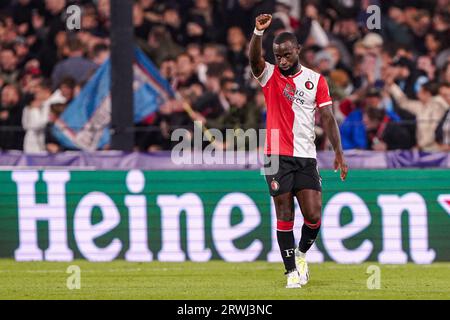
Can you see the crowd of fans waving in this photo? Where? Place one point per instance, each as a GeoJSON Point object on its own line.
{"type": "Point", "coordinates": [390, 85]}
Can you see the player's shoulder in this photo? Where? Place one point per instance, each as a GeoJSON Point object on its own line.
{"type": "Point", "coordinates": [266, 74]}
{"type": "Point", "coordinates": [311, 73]}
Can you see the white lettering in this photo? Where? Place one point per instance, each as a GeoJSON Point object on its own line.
{"type": "Point", "coordinates": [334, 234]}
{"type": "Point", "coordinates": [224, 233]}
{"type": "Point", "coordinates": [86, 233]}
{"type": "Point", "coordinates": [171, 208]}
{"type": "Point", "coordinates": [137, 215]}
{"type": "Point", "coordinates": [392, 207]}
{"type": "Point", "coordinates": [30, 213]}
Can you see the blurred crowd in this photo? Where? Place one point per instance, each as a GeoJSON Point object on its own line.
{"type": "Point", "coordinates": [390, 86]}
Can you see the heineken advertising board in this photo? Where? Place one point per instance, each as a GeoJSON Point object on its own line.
{"type": "Point", "coordinates": [390, 216]}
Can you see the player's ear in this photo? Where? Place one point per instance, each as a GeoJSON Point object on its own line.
{"type": "Point", "coordinates": [297, 49]}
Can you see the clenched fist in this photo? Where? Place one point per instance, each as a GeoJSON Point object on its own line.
{"type": "Point", "coordinates": [263, 21]}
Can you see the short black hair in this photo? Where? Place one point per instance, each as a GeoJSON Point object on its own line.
{"type": "Point", "coordinates": [373, 92]}
{"type": "Point", "coordinates": [431, 87]}
{"type": "Point", "coordinates": [284, 37]}
{"type": "Point", "coordinates": [68, 82]}
{"type": "Point", "coordinates": [215, 69]}
{"type": "Point", "coordinates": [99, 48]}
{"type": "Point", "coordinates": [375, 114]}
{"type": "Point", "coordinates": [75, 44]}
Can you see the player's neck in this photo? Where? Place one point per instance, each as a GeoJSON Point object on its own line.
{"type": "Point", "coordinates": [292, 71]}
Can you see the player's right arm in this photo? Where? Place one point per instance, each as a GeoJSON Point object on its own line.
{"type": "Point", "coordinates": [257, 61]}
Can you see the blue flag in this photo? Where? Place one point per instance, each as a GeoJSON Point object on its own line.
{"type": "Point", "coordinates": [84, 124]}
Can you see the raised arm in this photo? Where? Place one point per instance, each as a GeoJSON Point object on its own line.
{"type": "Point", "coordinates": [332, 130]}
{"type": "Point", "coordinates": [257, 61]}
{"type": "Point", "coordinates": [413, 106]}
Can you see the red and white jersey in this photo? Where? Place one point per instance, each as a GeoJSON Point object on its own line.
{"type": "Point", "coordinates": [291, 103]}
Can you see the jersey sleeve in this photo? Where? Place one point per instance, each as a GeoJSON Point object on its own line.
{"type": "Point", "coordinates": [265, 75]}
{"type": "Point", "coordinates": [323, 98]}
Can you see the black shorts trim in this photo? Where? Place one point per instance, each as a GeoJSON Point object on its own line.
{"type": "Point", "coordinates": [293, 174]}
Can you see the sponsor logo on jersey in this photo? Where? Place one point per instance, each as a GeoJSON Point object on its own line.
{"type": "Point", "coordinates": [294, 95]}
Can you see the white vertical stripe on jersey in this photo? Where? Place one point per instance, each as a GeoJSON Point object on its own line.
{"type": "Point", "coordinates": [303, 129]}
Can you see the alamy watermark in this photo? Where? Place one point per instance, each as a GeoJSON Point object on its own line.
{"type": "Point", "coordinates": [73, 20]}
{"type": "Point", "coordinates": [74, 280]}
{"type": "Point", "coordinates": [374, 280]}
{"type": "Point", "coordinates": [213, 147]}
{"type": "Point", "coordinates": [374, 20]}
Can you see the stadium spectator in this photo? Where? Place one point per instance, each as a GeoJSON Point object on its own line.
{"type": "Point", "coordinates": [382, 133]}
{"type": "Point", "coordinates": [211, 53]}
{"type": "Point", "coordinates": [67, 87]}
{"type": "Point", "coordinates": [168, 69]}
{"type": "Point", "coordinates": [238, 111]}
{"type": "Point", "coordinates": [242, 13]}
{"type": "Point", "coordinates": [346, 31]}
{"type": "Point", "coordinates": [341, 61]}
{"type": "Point", "coordinates": [427, 68]}
{"type": "Point", "coordinates": [428, 109]}
{"type": "Point", "coordinates": [197, 44]}
{"type": "Point", "coordinates": [214, 53]}
{"type": "Point", "coordinates": [213, 102]}
{"type": "Point", "coordinates": [142, 26]}
{"type": "Point", "coordinates": [204, 22]}
{"type": "Point", "coordinates": [395, 28]}
{"type": "Point", "coordinates": [8, 66]}
{"type": "Point", "coordinates": [408, 77]}
{"type": "Point", "coordinates": [53, 16]}
{"type": "Point", "coordinates": [104, 12]}
{"type": "Point", "coordinates": [100, 54]}
{"type": "Point", "coordinates": [323, 62]}
{"type": "Point", "coordinates": [445, 74]}
{"type": "Point", "coordinates": [237, 54]}
{"type": "Point", "coordinates": [195, 51]}
{"type": "Point", "coordinates": [52, 144]}
{"type": "Point", "coordinates": [185, 72]}
{"type": "Point", "coordinates": [353, 129]}
{"type": "Point", "coordinates": [443, 133]}
{"type": "Point", "coordinates": [172, 20]}
{"type": "Point", "coordinates": [21, 13]}
{"type": "Point", "coordinates": [159, 45]}
{"type": "Point", "coordinates": [75, 66]}
{"type": "Point", "coordinates": [11, 108]}
{"type": "Point", "coordinates": [34, 120]}
{"type": "Point", "coordinates": [444, 92]}
{"type": "Point", "coordinates": [443, 128]}
{"type": "Point", "coordinates": [30, 80]}
{"type": "Point", "coordinates": [242, 114]}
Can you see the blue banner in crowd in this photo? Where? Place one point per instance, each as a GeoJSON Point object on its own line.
{"type": "Point", "coordinates": [85, 122]}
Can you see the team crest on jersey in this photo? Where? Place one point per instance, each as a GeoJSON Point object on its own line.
{"type": "Point", "coordinates": [274, 185]}
{"type": "Point", "coordinates": [309, 85]}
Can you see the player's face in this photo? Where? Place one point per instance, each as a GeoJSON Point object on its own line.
{"type": "Point", "coordinates": [286, 57]}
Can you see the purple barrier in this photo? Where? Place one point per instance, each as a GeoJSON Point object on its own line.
{"type": "Point", "coordinates": [117, 160]}
{"type": "Point", "coordinates": [417, 159]}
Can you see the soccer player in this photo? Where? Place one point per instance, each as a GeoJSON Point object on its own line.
{"type": "Point", "coordinates": [293, 93]}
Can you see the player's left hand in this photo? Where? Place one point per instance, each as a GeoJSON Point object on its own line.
{"type": "Point", "coordinates": [339, 164]}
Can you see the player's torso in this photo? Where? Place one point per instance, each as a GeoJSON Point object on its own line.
{"type": "Point", "coordinates": [291, 105]}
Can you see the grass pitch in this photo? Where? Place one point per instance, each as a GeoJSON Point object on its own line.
{"type": "Point", "coordinates": [218, 280]}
